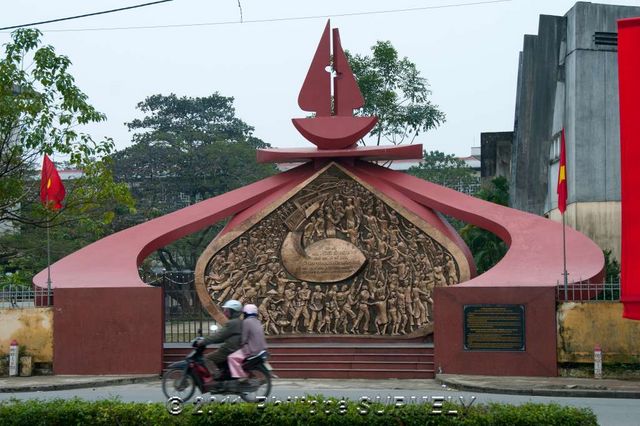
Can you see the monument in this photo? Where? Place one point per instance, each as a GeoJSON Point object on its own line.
{"type": "Point", "coordinates": [335, 249]}
{"type": "Point", "coordinates": [335, 255]}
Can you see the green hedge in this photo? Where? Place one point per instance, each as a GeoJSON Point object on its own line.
{"type": "Point", "coordinates": [114, 412]}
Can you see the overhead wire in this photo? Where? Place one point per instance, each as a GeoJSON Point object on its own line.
{"type": "Point", "coordinates": [291, 18]}
{"type": "Point", "coordinates": [104, 12]}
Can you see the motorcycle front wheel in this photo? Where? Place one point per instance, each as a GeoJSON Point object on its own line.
{"type": "Point", "coordinates": [259, 382]}
{"type": "Point", "coordinates": [178, 382]}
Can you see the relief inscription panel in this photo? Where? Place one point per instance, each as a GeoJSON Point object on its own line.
{"type": "Point", "coordinates": [334, 256]}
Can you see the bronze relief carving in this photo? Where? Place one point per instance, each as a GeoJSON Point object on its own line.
{"type": "Point", "coordinates": [333, 257]}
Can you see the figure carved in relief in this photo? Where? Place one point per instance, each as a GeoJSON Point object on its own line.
{"type": "Point", "coordinates": [369, 242]}
{"type": "Point", "coordinates": [267, 313]}
{"type": "Point", "coordinates": [345, 300]}
{"type": "Point", "coordinates": [301, 305]}
{"type": "Point", "coordinates": [331, 306]}
{"type": "Point", "coordinates": [372, 224]}
{"type": "Point", "coordinates": [402, 310]}
{"type": "Point", "coordinates": [438, 276]}
{"type": "Point", "coordinates": [350, 214]}
{"type": "Point", "coordinates": [316, 306]}
{"type": "Point", "coordinates": [309, 230]}
{"type": "Point", "coordinates": [381, 321]}
{"type": "Point", "coordinates": [408, 302]}
{"type": "Point", "coordinates": [363, 311]}
{"type": "Point", "coordinates": [424, 296]}
{"type": "Point", "coordinates": [451, 270]}
{"type": "Point", "coordinates": [288, 307]}
{"type": "Point", "coordinates": [263, 278]}
{"type": "Point", "coordinates": [318, 233]}
{"type": "Point", "coordinates": [281, 282]}
{"type": "Point", "coordinates": [392, 309]}
{"type": "Point", "coordinates": [331, 222]}
{"type": "Point", "coordinates": [419, 308]}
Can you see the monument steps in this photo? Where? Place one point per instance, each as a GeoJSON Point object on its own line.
{"type": "Point", "coordinates": [340, 360]}
{"type": "Point", "coordinates": [354, 374]}
{"type": "Point", "coordinates": [346, 357]}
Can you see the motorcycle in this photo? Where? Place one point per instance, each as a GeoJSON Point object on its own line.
{"type": "Point", "coordinates": [183, 377]}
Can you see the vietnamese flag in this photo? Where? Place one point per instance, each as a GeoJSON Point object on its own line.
{"type": "Point", "coordinates": [51, 187]}
{"type": "Point", "coordinates": [562, 176]}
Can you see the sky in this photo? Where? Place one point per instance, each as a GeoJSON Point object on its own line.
{"type": "Point", "coordinates": [466, 49]}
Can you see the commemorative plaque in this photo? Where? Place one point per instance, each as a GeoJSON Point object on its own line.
{"type": "Point", "coordinates": [494, 328]}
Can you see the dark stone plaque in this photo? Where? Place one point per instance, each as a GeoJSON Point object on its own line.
{"type": "Point", "coordinates": [494, 328]}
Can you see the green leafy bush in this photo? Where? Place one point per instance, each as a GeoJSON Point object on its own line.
{"type": "Point", "coordinates": [324, 411]}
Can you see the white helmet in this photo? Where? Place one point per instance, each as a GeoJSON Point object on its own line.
{"type": "Point", "coordinates": [232, 304]}
{"type": "Point", "coordinates": [250, 309]}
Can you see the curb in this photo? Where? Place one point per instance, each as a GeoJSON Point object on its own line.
{"type": "Point", "coordinates": [83, 385]}
{"type": "Point", "coordinates": [580, 393]}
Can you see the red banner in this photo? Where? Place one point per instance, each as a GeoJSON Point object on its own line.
{"type": "Point", "coordinates": [629, 92]}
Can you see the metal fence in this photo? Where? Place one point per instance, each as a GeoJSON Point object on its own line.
{"type": "Point", "coordinates": [184, 316]}
{"type": "Point", "coordinates": [20, 297]}
{"type": "Point", "coordinates": [588, 292]}
{"type": "Point", "coordinates": [469, 186]}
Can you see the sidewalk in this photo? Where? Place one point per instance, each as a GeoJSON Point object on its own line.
{"type": "Point", "coordinates": [544, 386]}
{"type": "Point", "coordinates": [539, 386]}
{"type": "Point", "coordinates": [50, 383]}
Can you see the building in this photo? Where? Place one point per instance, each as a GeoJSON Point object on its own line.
{"type": "Point", "coordinates": [568, 78]}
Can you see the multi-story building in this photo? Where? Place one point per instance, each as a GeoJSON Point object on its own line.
{"type": "Point", "coordinates": [568, 79]}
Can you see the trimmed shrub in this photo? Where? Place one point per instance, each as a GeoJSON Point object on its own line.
{"type": "Point", "coordinates": [324, 411]}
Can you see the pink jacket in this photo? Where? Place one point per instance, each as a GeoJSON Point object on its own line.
{"type": "Point", "coordinates": [253, 340]}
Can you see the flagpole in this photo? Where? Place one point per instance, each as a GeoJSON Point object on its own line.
{"type": "Point", "coordinates": [51, 194]}
{"type": "Point", "coordinates": [564, 258]}
{"type": "Point", "coordinates": [48, 262]}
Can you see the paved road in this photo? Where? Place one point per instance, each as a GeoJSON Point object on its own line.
{"type": "Point", "coordinates": [618, 412]}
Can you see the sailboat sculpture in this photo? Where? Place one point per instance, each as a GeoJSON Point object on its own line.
{"type": "Point", "coordinates": [334, 126]}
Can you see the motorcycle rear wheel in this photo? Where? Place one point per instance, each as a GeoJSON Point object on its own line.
{"type": "Point", "coordinates": [262, 378]}
{"type": "Point", "coordinates": [177, 382]}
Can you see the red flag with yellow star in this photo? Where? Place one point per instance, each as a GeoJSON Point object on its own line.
{"type": "Point", "coordinates": [562, 176]}
{"type": "Point", "coordinates": [51, 188]}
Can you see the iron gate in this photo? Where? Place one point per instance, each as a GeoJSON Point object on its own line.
{"type": "Point", "coordinates": [184, 315]}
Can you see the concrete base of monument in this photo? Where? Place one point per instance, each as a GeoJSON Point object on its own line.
{"type": "Point", "coordinates": [501, 331]}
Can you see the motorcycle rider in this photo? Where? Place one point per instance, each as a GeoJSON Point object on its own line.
{"type": "Point", "coordinates": [229, 335]}
{"type": "Point", "coordinates": [253, 341]}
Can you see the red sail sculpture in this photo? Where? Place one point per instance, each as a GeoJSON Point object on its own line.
{"type": "Point", "coordinates": [331, 128]}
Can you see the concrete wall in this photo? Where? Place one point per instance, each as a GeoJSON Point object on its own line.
{"type": "Point", "coordinates": [115, 330]}
{"type": "Point", "coordinates": [567, 80]}
{"type": "Point", "coordinates": [601, 221]}
{"type": "Point", "coordinates": [31, 327]}
{"type": "Point", "coordinates": [495, 158]}
{"type": "Point", "coordinates": [539, 358]}
{"type": "Point", "coordinates": [583, 325]}
{"type": "Point", "coordinates": [536, 94]}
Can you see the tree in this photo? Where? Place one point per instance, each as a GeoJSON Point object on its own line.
{"type": "Point", "coordinates": [486, 247]}
{"type": "Point", "coordinates": [40, 111]}
{"type": "Point", "coordinates": [611, 267]}
{"type": "Point", "coordinates": [186, 150]}
{"type": "Point", "coordinates": [446, 170]}
{"type": "Point", "coordinates": [395, 92]}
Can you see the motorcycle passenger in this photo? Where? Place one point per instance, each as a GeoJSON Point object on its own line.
{"type": "Point", "coordinates": [229, 335]}
{"type": "Point", "coordinates": [253, 341]}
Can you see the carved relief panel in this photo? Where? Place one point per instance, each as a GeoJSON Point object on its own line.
{"type": "Point", "coordinates": [335, 256]}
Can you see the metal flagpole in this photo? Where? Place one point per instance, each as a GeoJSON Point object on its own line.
{"type": "Point", "coordinates": [48, 262]}
{"type": "Point", "coordinates": [564, 258]}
